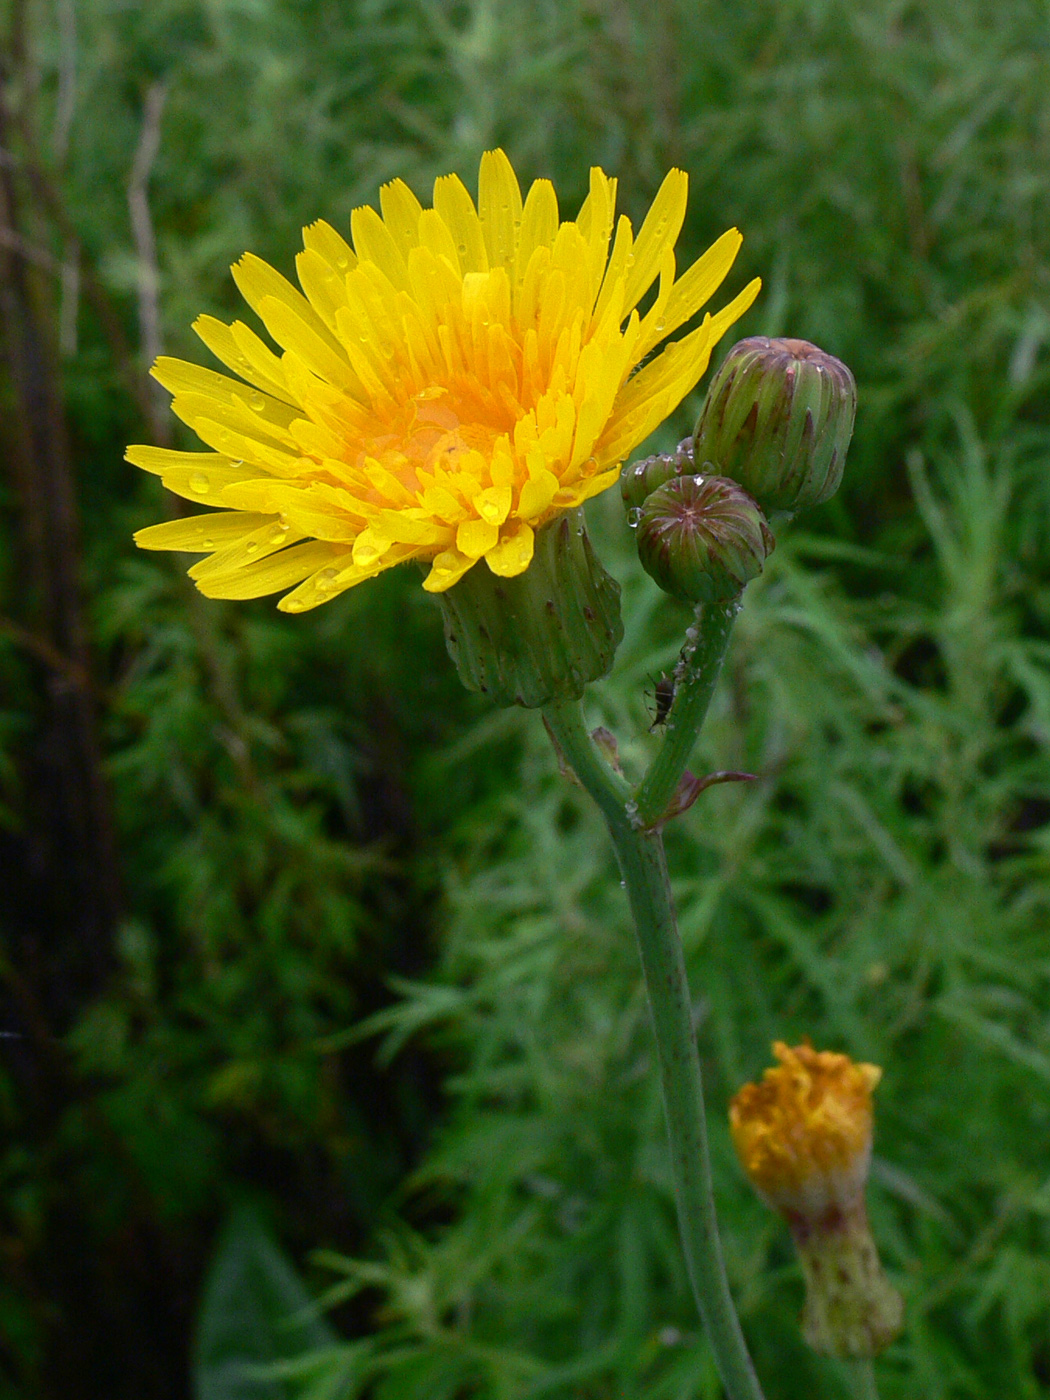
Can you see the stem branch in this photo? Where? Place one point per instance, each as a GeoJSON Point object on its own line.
{"type": "Point", "coordinates": [695, 678]}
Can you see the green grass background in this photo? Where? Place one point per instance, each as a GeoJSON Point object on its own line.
{"type": "Point", "coordinates": [318, 827]}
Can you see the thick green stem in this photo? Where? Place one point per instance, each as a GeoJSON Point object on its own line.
{"type": "Point", "coordinates": [695, 678]}
{"type": "Point", "coordinates": [641, 856]}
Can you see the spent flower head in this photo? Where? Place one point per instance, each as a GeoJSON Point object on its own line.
{"type": "Point", "coordinates": [455, 380]}
{"type": "Point", "coordinates": [803, 1135]}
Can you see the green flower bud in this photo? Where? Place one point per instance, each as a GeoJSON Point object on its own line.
{"type": "Point", "coordinates": [702, 538]}
{"type": "Point", "coordinates": [642, 478]}
{"type": "Point", "coordinates": [542, 635]}
{"type": "Point", "coordinates": [778, 418]}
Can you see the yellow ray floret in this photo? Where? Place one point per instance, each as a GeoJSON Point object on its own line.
{"type": "Point", "coordinates": [803, 1134]}
{"type": "Point", "coordinates": [442, 389]}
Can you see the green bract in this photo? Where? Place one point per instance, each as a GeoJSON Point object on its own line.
{"type": "Point", "coordinates": [543, 635]}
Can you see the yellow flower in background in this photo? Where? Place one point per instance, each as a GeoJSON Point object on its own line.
{"type": "Point", "coordinates": [448, 385]}
{"type": "Point", "coordinates": [803, 1134]}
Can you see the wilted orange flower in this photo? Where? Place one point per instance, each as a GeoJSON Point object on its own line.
{"type": "Point", "coordinates": [803, 1134]}
{"type": "Point", "coordinates": [448, 385]}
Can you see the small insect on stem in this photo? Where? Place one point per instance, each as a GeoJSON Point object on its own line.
{"type": "Point", "coordinates": [663, 694]}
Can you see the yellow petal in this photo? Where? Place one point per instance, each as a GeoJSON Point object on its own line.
{"type": "Point", "coordinates": [182, 377]}
{"type": "Point", "coordinates": [200, 534]}
{"type": "Point", "coordinates": [257, 280]}
{"type": "Point", "coordinates": [374, 242]}
{"type": "Point", "coordinates": [662, 225]}
{"type": "Point", "coordinates": [325, 288]}
{"type": "Point", "coordinates": [401, 211]}
{"type": "Point", "coordinates": [270, 575]}
{"type": "Point", "coordinates": [701, 281]}
{"type": "Point", "coordinates": [222, 342]}
{"type": "Point", "coordinates": [329, 582]}
{"type": "Point", "coordinates": [499, 208]}
{"type": "Point", "coordinates": [159, 460]}
{"type": "Point", "coordinates": [456, 211]}
{"type": "Point", "coordinates": [594, 222]}
{"type": "Point", "coordinates": [319, 351]}
{"type": "Point", "coordinates": [206, 487]}
{"type": "Point", "coordinates": [722, 320]}
{"type": "Point", "coordinates": [513, 554]}
{"type": "Point", "coordinates": [476, 537]}
{"type": "Point", "coordinates": [617, 269]}
{"type": "Point", "coordinates": [536, 495]}
{"type": "Point", "coordinates": [256, 545]}
{"type": "Point", "coordinates": [321, 238]}
{"type": "Point", "coordinates": [448, 568]}
{"type": "Point", "coordinates": [493, 504]}
{"type": "Point", "coordinates": [539, 223]}
{"type": "Point", "coordinates": [261, 358]}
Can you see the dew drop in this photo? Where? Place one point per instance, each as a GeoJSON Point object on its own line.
{"type": "Point", "coordinates": [294, 605]}
{"type": "Point", "coordinates": [207, 544]}
{"type": "Point", "coordinates": [278, 531]}
{"type": "Point", "coordinates": [633, 517]}
{"type": "Point", "coordinates": [251, 547]}
{"type": "Point", "coordinates": [238, 462]}
{"type": "Point", "coordinates": [199, 483]}
{"type": "Point", "coordinates": [325, 580]}
{"type": "Point", "coordinates": [462, 248]}
{"type": "Point", "coordinates": [342, 262]}
{"type": "Point", "coordinates": [257, 402]}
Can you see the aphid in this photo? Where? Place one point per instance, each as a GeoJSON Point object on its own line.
{"type": "Point", "coordinates": [663, 694]}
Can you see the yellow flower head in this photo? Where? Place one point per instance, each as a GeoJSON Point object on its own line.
{"type": "Point", "coordinates": [449, 384]}
{"type": "Point", "coordinates": [803, 1134]}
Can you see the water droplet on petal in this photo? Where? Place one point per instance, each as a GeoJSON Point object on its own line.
{"type": "Point", "coordinates": [199, 483]}
{"type": "Point", "coordinates": [207, 544]}
{"type": "Point", "coordinates": [251, 547]}
{"type": "Point", "coordinates": [294, 605]}
{"type": "Point", "coordinates": [257, 402]}
{"type": "Point", "coordinates": [325, 580]}
{"type": "Point", "coordinates": [633, 517]}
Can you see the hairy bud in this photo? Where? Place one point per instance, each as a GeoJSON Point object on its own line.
{"type": "Point", "coordinates": [778, 418]}
{"type": "Point", "coordinates": [702, 538]}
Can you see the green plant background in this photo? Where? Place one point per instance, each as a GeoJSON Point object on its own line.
{"type": "Point", "coordinates": [373, 987]}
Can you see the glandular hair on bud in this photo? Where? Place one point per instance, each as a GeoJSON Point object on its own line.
{"type": "Point", "coordinates": [702, 538]}
{"type": "Point", "coordinates": [642, 478]}
{"type": "Point", "coordinates": [778, 419]}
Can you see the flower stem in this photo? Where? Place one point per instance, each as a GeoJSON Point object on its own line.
{"type": "Point", "coordinates": [695, 677]}
{"type": "Point", "coordinates": [644, 868]}
{"type": "Point", "coordinates": [863, 1378]}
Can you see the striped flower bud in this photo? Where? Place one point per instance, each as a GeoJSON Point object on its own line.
{"type": "Point", "coordinates": [778, 418]}
{"type": "Point", "coordinates": [642, 478]}
{"type": "Point", "coordinates": [803, 1135]}
{"type": "Point", "coordinates": [702, 538]}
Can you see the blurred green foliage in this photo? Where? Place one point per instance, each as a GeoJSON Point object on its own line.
{"type": "Point", "coordinates": [316, 827]}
